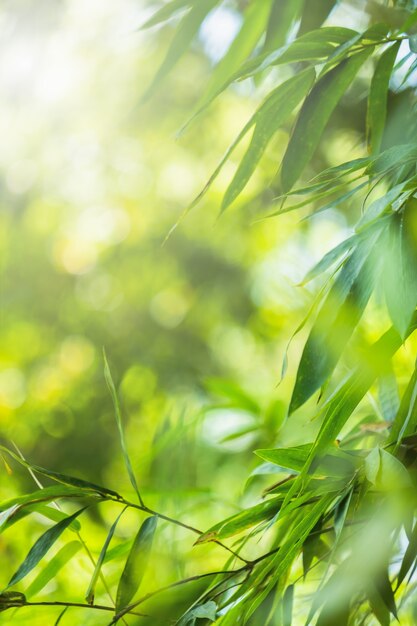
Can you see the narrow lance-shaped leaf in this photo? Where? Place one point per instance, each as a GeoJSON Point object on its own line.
{"type": "Point", "coordinates": [184, 34]}
{"type": "Point", "coordinates": [166, 12]}
{"type": "Point", "coordinates": [136, 563]}
{"type": "Point", "coordinates": [282, 16]}
{"type": "Point", "coordinates": [41, 547]}
{"type": "Point", "coordinates": [89, 596]}
{"type": "Point", "coordinates": [405, 421]}
{"type": "Point", "coordinates": [118, 415]}
{"type": "Point", "coordinates": [64, 478]}
{"type": "Point", "coordinates": [315, 114]}
{"type": "Point", "coordinates": [378, 93]}
{"type": "Point", "coordinates": [400, 269]}
{"type": "Point", "coordinates": [335, 322]}
{"type": "Point", "coordinates": [255, 19]}
{"type": "Point", "coordinates": [281, 104]}
{"type": "Point", "coordinates": [292, 89]}
{"type": "Point", "coordinates": [287, 605]}
{"type": "Point", "coordinates": [54, 566]}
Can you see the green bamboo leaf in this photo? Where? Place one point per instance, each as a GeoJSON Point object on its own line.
{"type": "Point", "coordinates": [118, 415]}
{"type": "Point", "coordinates": [41, 547]}
{"type": "Point", "coordinates": [384, 589]}
{"type": "Point", "coordinates": [63, 478]}
{"type": "Point", "coordinates": [54, 566]}
{"type": "Point", "coordinates": [44, 495]}
{"type": "Point", "coordinates": [89, 596]}
{"type": "Point", "coordinates": [313, 19]}
{"type": "Point", "coordinates": [166, 12]}
{"type": "Point", "coordinates": [287, 605]}
{"type": "Point", "coordinates": [336, 321]}
{"type": "Point", "coordinates": [329, 259]}
{"type": "Point", "coordinates": [405, 421]}
{"type": "Point", "coordinates": [136, 564]}
{"type": "Point", "coordinates": [386, 472]}
{"type": "Point", "coordinates": [378, 94]}
{"type": "Point", "coordinates": [7, 513]}
{"type": "Point", "coordinates": [392, 158]}
{"type": "Point", "coordinates": [315, 114]}
{"type": "Point", "coordinates": [343, 402]}
{"type": "Point", "coordinates": [409, 558]}
{"type": "Point", "coordinates": [281, 104]}
{"type": "Point", "coordinates": [242, 521]}
{"type": "Point", "coordinates": [335, 463]}
{"type": "Point", "coordinates": [293, 85]}
{"type": "Point", "coordinates": [281, 18]}
{"type": "Point", "coordinates": [256, 16]}
{"type": "Point", "coordinates": [400, 272]}
{"type": "Point", "coordinates": [331, 614]}
{"type": "Point", "coordinates": [388, 395]}
{"type": "Point", "coordinates": [184, 34]}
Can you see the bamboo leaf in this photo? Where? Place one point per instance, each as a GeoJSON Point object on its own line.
{"type": "Point", "coordinates": [54, 566]}
{"type": "Point", "coordinates": [64, 478]}
{"type": "Point", "coordinates": [118, 415]}
{"type": "Point", "coordinates": [89, 596]}
{"type": "Point", "coordinates": [329, 259]}
{"type": "Point", "coordinates": [184, 34]}
{"type": "Point", "coordinates": [242, 521]}
{"type": "Point", "coordinates": [405, 421]}
{"type": "Point", "coordinates": [336, 321]}
{"type": "Point", "coordinates": [136, 563]}
{"type": "Point", "coordinates": [287, 606]}
{"type": "Point", "coordinates": [281, 104]}
{"type": "Point", "coordinates": [400, 273]}
{"type": "Point", "coordinates": [255, 20]}
{"type": "Point", "coordinates": [166, 12]}
{"type": "Point", "coordinates": [378, 93]}
{"type": "Point", "coordinates": [314, 116]}
{"type": "Point", "coordinates": [294, 85]}
{"type": "Point", "coordinates": [41, 547]}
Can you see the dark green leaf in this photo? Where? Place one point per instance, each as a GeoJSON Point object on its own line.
{"type": "Point", "coordinates": [41, 547]}
{"type": "Point", "coordinates": [314, 116]}
{"type": "Point", "coordinates": [136, 563]}
{"type": "Point", "coordinates": [378, 93]}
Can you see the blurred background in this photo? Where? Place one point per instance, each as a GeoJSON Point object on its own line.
{"type": "Point", "coordinates": [195, 327]}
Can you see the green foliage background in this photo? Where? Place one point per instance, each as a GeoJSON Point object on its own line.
{"type": "Point", "coordinates": [196, 326]}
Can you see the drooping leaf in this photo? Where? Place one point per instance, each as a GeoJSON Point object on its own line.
{"type": "Point", "coordinates": [378, 93]}
{"type": "Point", "coordinates": [314, 116]}
{"type": "Point", "coordinates": [89, 596]}
{"type": "Point", "coordinates": [343, 402]}
{"type": "Point", "coordinates": [405, 421]}
{"type": "Point", "coordinates": [166, 12]}
{"type": "Point", "coordinates": [282, 103]}
{"type": "Point", "coordinates": [41, 547]}
{"type": "Point", "coordinates": [386, 472]}
{"type": "Point", "coordinates": [329, 259]}
{"type": "Point", "coordinates": [54, 566]}
{"type": "Point", "coordinates": [336, 321]}
{"type": "Point", "coordinates": [409, 558]}
{"type": "Point", "coordinates": [293, 88]}
{"type": "Point", "coordinates": [281, 18]}
{"type": "Point", "coordinates": [256, 16]}
{"type": "Point", "coordinates": [184, 34]}
{"type": "Point", "coordinates": [136, 563]}
{"type": "Point", "coordinates": [313, 19]}
{"type": "Point", "coordinates": [400, 271]}
{"type": "Point", "coordinates": [388, 395]}
{"type": "Point", "coordinates": [287, 605]}
{"type": "Point", "coordinates": [118, 415]}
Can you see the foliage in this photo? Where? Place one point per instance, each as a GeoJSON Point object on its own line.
{"type": "Point", "coordinates": [333, 539]}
